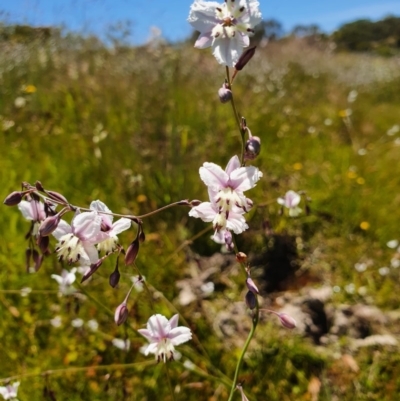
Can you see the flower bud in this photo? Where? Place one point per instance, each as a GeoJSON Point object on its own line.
{"type": "Point", "coordinates": [43, 244]}
{"type": "Point", "coordinates": [114, 277]}
{"type": "Point", "coordinates": [253, 147]}
{"type": "Point", "coordinates": [287, 321]}
{"type": "Point", "coordinates": [241, 257]}
{"type": "Point", "coordinates": [225, 94]}
{"type": "Point", "coordinates": [251, 286]}
{"type": "Point", "coordinates": [13, 199]}
{"type": "Point", "coordinates": [121, 314]}
{"type": "Point", "coordinates": [57, 197]}
{"type": "Point", "coordinates": [142, 236]}
{"type": "Point", "coordinates": [251, 300]}
{"type": "Point", "coordinates": [195, 202]}
{"type": "Point", "coordinates": [246, 56]}
{"type": "Point", "coordinates": [93, 268]}
{"type": "Point", "coordinates": [48, 225]}
{"type": "Point", "coordinates": [37, 259]}
{"type": "Point", "coordinates": [132, 252]}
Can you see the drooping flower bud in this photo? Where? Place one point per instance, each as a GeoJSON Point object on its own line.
{"type": "Point", "coordinates": [142, 236]}
{"type": "Point", "coordinates": [229, 241]}
{"type": "Point", "coordinates": [57, 197]}
{"type": "Point", "coordinates": [121, 314]}
{"type": "Point", "coordinates": [195, 202]}
{"type": "Point", "coordinates": [115, 276]}
{"type": "Point", "coordinates": [246, 56]}
{"type": "Point", "coordinates": [13, 199]}
{"type": "Point", "coordinates": [251, 286]}
{"type": "Point", "coordinates": [253, 147]}
{"type": "Point", "coordinates": [49, 224]}
{"type": "Point", "coordinates": [93, 268]}
{"type": "Point", "coordinates": [37, 259]}
{"type": "Point", "coordinates": [132, 251]}
{"type": "Point", "coordinates": [287, 321]}
{"type": "Point", "coordinates": [43, 243]}
{"type": "Point", "coordinates": [251, 300]}
{"type": "Point", "coordinates": [224, 94]}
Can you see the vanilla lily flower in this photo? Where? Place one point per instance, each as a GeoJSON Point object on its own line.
{"type": "Point", "coordinates": [33, 210]}
{"type": "Point", "coordinates": [107, 226]}
{"type": "Point", "coordinates": [9, 392]}
{"type": "Point", "coordinates": [291, 201]}
{"type": "Point", "coordinates": [65, 281]}
{"type": "Point", "coordinates": [225, 27]}
{"type": "Point", "coordinates": [163, 335]}
{"type": "Point", "coordinates": [227, 202]}
{"type": "Point", "coordinates": [77, 241]}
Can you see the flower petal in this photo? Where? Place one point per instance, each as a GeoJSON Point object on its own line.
{"type": "Point", "coordinates": [213, 176]}
{"type": "Point", "coordinates": [244, 178]}
{"type": "Point", "coordinates": [204, 40]}
{"type": "Point", "coordinates": [62, 229]}
{"type": "Point", "coordinates": [180, 335]}
{"type": "Point", "coordinates": [119, 226]}
{"type": "Point", "coordinates": [202, 15]}
{"type": "Point", "coordinates": [233, 164]}
{"type": "Point", "coordinates": [86, 225]}
{"type": "Point", "coordinates": [204, 211]}
{"type": "Point", "coordinates": [227, 50]}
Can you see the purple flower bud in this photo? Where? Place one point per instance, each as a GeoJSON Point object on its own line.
{"type": "Point", "coordinates": [253, 147]}
{"type": "Point", "coordinates": [121, 314]}
{"type": "Point", "coordinates": [142, 236]}
{"type": "Point", "coordinates": [251, 300]}
{"type": "Point", "coordinates": [37, 259]}
{"type": "Point", "coordinates": [225, 94]}
{"type": "Point", "coordinates": [114, 277]}
{"type": "Point", "coordinates": [43, 244]}
{"type": "Point", "coordinates": [246, 56]}
{"type": "Point", "coordinates": [251, 286]}
{"type": "Point", "coordinates": [195, 202]}
{"type": "Point", "coordinates": [39, 186]}
{"type": "Point", "coordinates": [287, 321]}
{"type": "Point", "coordinates": [229, 241]}
{"type": "Point", "coordinates": [57, 197]}
{"type": "Point", "coordinates": [13, 199]}
{"type": "Point", "coordinates": [49, 224]}
{"type": "Point", "coordinates": [93, 268]}
{"type": "Point", "coordinates": [132, 252]}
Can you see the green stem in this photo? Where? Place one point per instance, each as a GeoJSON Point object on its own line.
{"type": "Point", "coordinates": [242, 132]}
{"type": "Point", "coordinates": [169, 381]}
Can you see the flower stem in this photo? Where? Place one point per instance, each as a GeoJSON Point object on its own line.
{"type": "Point", "coordinates": [242, 132]}
{"type": "Point", "coordinates": [169, 381]}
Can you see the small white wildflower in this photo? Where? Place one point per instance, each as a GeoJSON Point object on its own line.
{"type": "Point", "coordinates": [77, 323]}
{"type": "Point", "coordinates": [384, 271]}
{"type": "Point", "coordinates": [121, 344]}
{"type": "Point", "coordinates": [394, 243]}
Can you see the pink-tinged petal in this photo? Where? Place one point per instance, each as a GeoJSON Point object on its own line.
{"type": "Point", "coordinates": [173, 322]}
{"type": "Point", "coordinates": [86, 225]}
{"type": "Point", "coordinates": [202, 15]}
{"type": "Point", "coordinates": [92, 255]}
{"type": "Point", "coordinates": [292, 198]}
{"type": "Point", "coordinates": [120, 225]}
{"type": "Point", "coordinates": [157, 325]}
{"type": "Point", "coordinates": [179, 335]}
{"type": "Point", "coordinates": [236, 223]}
{"type": "Point", "coordinates": [203, 41]}
{"type": "Point", "coordinates": [32, 210]}
{"type": "Point", "coordinates": [227, 51]}
{"type": "Point", "coordinates": [213, 176]}
{"type": "Point", "coordinates": [219, 237]}
{"type": "Point", "coordinates": [204, 211]}
{"type": "Point", "coordinates": [233, 164]}
{"type": "Point", "coordinates": [244, 178]}
{"type": "Point", "coordinates": [99, 206]}
{"type": "Point", "coordinates": [62, 229]}
{"type": "Point", "coordinates": [152, 348]}
{"type": "Point", "coordinates": [146, 333]}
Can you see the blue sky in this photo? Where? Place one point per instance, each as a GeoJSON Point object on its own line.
{"type": "Point", "coordinates": [96, 16]}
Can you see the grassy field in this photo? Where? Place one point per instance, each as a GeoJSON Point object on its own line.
{"type": "Point", "coordinates": [132, 126]}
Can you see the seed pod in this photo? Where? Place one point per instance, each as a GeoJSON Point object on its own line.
{"type": "Point", "coordinates": [241, 257]}
{"type": "Point", "coordinates": [251, 300]}
{"type": "Point", "coordinates": [93, 268]}
{"type": "Point", "coordinates": [253, 148]}
{"type": "Point", "coordinates": [224, 94]}
{"type": "Point", "coordinates": [132, 252]}
{"type": "Point", "coordinates": [115, 276]}
{"type": "Point", "coordinates": [246, 56]}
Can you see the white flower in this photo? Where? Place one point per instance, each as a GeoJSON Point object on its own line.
{"type": "Point", "coordinates": [9, 392]}
{"type": "Point", "coordinates": [124, 345]}
{"type": "Point", "coordinates": [107, 226]}
{"type": "Point", "coordinates": [164, 335]}
{"type": "Point", "coordinates": [227, 202]}
{"type": "Point", "coordinates": [291, 201]}
{"type": "Point", "coordinates": [65, 281]}
{"type": "Point", "coordinates": [76, 241]}
{"type": "Point", "coordinates": [225, 27]}
{"type": "Point", "coordinates": [33, 210]}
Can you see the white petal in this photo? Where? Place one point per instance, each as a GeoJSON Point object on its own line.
{"type": "Point", "coordinates": [146, 333]}
{"type": "Point", "coordinates": [227, 51]}
{"type": "Point", "coordinates": [158, 325]}
{"type": "Point", "coordinates": [174, 321]}
{"type": "Point", "coordinates": [86, 225]}
{"type": "Point", "coordinates": [180, 335]}
{"type": "Point", "coordinates": [292, 198]}
{"type": "Point", "coordinates": [120, 225]}
{"type": "Point", "coordinates": [202, 15]}
{"type": "Point", "coordinates": [233, 164]}
{"type": "Point", "coordinates": [213, 176]}
{"type": "Point", "coordinates": [25, 208]}
{"type": "Point", "coordinates": [58, 278]}
{"type": "Point", "coordinates": [204, 211]}
{"type": "Point", "coordinates": [236, 223]}
{"type": "Point", "coordinates": [91, 256]}
{"type": "Point", "coordinates": [244, 178]}
{"type": "Point", "coordinates": [99, 206]}
{"type": "Point", "coordinates": [204, 40]}
{"type": "Point", "coordinates": [62, 229]}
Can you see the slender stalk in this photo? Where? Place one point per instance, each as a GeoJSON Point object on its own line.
{"type": "Point", "coordinates": [169, 381]}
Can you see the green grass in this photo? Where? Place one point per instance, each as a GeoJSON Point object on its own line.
{"type": "Point", "coordinates": [158, 118]}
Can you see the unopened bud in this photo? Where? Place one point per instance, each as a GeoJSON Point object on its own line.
{"type": "Point", "coordinates": [57, 197]}
{"type": "Point", "coordinates": [48, 225]}
{"type": "Point", "coordinates": [241, 257]}
{"type": "Point", "coordinates": [253, 147]}
{"type": "Point", "coordinates": [121, 314]}
{"type": "Point", "coordinates": [37, 259]}
{"type": "Point", "coordinates": [246, 56]}
{"type": "Point", "coordinates": [114, 277]}
{"type": "Point", "coordinates": [13, 199]}
{"type": "Point", "coordinates": [287, 321]}
{"type": "Point", "coordinates": [251, 300]}
{"type": "Point", "coordinates": [142, 236]}
{"type": "Point", "coordinates": [224, 94]}
{"type": "Point", "coordinates": [251, 286]}
{"type": "Point", "coordinates": [132, 252]}
{"type": "Point", "coordinates": [195, 202]}
{"type": "Point", "coordinates": [43, 243]}
{"type": "Point", "coordinates": [93, 268]}
{"type": "Point", "coordinates": [39, 186]}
